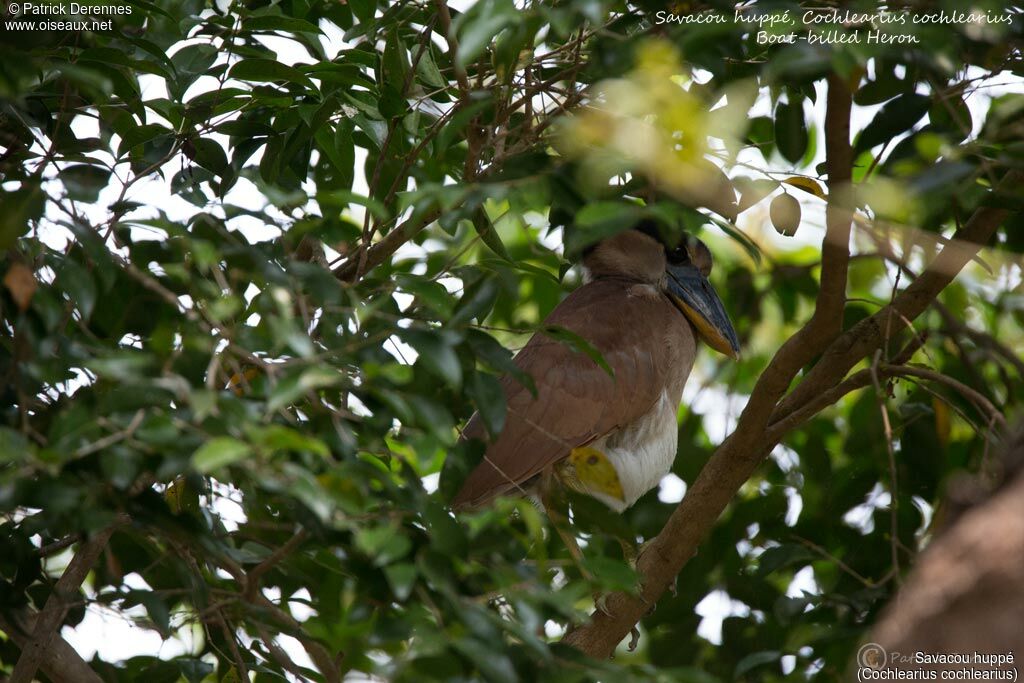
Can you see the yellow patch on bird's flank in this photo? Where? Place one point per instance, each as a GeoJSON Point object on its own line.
{"type": "Point", "coordinates": [596, 472]}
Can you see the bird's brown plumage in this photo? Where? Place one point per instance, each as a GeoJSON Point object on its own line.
{"type": "Point", "coordinates": [642, 336]}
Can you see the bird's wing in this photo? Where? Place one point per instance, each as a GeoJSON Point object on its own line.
{"type": "Point", "coordinates": [577, 400]}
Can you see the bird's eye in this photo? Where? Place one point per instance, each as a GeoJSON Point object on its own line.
{"type": "Point", "coordinates": [678, 255]}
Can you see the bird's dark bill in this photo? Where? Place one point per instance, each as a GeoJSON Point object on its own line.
{"type": "Point", "coordinates": [696, 298]}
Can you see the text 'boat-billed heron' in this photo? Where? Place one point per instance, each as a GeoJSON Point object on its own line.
{"type": "Point", "coordinates": [643, 308]}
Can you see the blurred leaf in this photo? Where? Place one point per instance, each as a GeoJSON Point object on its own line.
{"type": "Point", "coordinates": [598, 220]}
{"type": "Point", "coordinates": [791, 130]}
{"type": "Point", "coordinates": [218, 453]}
{"type": "Point", "coordinates": [773, 559]}
{"type": "Point", "coordinates": [478, 26]}
{"type": "Point", "coordinates": [84, 181]}
{"type": "Point", "coordinates": [895, 117]}
{"type": "Point", "coordinates": [756, 659]}
{"type": "Point", "coordinates": [579, 345]}
{"type": "Point", "coordinates": [269, 70]}
{"type": "Point", "coordinates": [489, 399]}
{"type": "Point", "coordinates": [808, 185]}
{"type": "Point", "coordinates": [436, 353]}
{"type": "Point", "coordinates": [488, 234]}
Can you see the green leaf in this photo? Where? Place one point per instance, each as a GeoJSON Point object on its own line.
{"type": "Point", "coordinates": [436, 354]}
{"type": "Point", "coordinates": [791, 130]}
{"type": "Point", "coordinates": [755, 660]}
{"type": "Point", "coordinates": [431, 294]}
{"type": "Point", "coordinates": [578, 344]}
{"type": "Point", "coordinates": [598, 220]}
{"type": "Point", "coordinates": [77, 282]}
{"type": "Point", "coordinates": [446, 535]}
{"type": "Point", "coordinates": [194, 60]}
{"type": "Point", "coordinates": [613, 574]}
{"type": "Point", "coordinates": [895, 117]}
{"type": "Point", "coordinates": [293, 386]}
{"type": "Point", "coordinates": [210, 155]}
{"type": "Point", "coordinates": [476, 301]}
{"type": "Point", "coordinates": [279, 23]}
{"type": "Point", "coordinates": [487, 350]}
{"type": "Point", "coordinates": [478, 27]}
{"type": "Point", "coordinates": [741, 238]}
{"type": "Point", "coordinates": [951, 115]}
{"type": "Point", "coordinates": [776, 558]}
{"type": "Point", "coordinates": [281, 438]}
{"type": "Point", "coordinates": [485, 228]}
{"type": "Point", "coordinates": [13, 446]}
{"type": "Point", "coordinates": [19, 208]}
{"type": "Point", "coordinates": [395, 61]}
{"type": "Point", "coordinates": [268, 71]}
{"type": "Point", "coordinates": [384, 543]}
{"type": "Point", "coordinates": [218, 453]}
{"type": "Point", "coordinates": [885, 86]}
{"type": "Point", "coordinates": [752, 191]}
{"type": "Point", "coordinates": [761, 134]}
{"type": "Point", "coordinates": [342, 198]}
{"type": "Point", "coordinates": [489, 398]}
{"type": "Point", "coordinates": [138, 135]}
{"type": "Point", "coordinates": [942, 176]}
{"type": "Point", "coordinates": [194, 670]}
{"type": "Point", "coordinates": [84, 181]}
{"type": "Point", "coordinates": [120, 466]}
{"type": "Point", "coordinates": [336, 145]}
{"type": "Point", "coordinates": [157, 610]}
{"type": "Point", "coordinates": [428, 72]}
{"type": "Point", "coordinates": [493, 664]}
{"type": "Point", "coordinates": [402, 578]}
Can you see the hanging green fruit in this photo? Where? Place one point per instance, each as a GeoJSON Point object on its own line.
{"type": "Point", "coordinates": [785, 214]}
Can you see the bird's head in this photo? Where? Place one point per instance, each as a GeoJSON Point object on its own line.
{"type": "Point", "coordinates": [680, 270]}
{"type": "Point", "coordinates": [688, 267]}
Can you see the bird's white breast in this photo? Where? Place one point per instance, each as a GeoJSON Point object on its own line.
{"type": "Point", "coordinates": [642, 452]}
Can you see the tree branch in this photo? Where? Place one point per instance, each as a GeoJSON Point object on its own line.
{"type": "Point", "coordinates": [453, 45]}
{"type": "Point", "coordinates": [965, 593]}
{"type": "Point", "coordinates": [39, 647]}
{"type": "Point", "coordinates": [388, 245]}
{"type": "Point", "coordinates": [738, 457]}
{"type": "Point", "coordinates": [253, 576]}
{"type": "Point", "coordinates": [980, 401]}
{"type": "Point", "coordinates": [778, 430]}
{"type": "Point", "coordinates": [62, 664]}
{"type": "Point", "coordinates": [863, 338]}
{"type": "Point", "coordinates": [835, 249]}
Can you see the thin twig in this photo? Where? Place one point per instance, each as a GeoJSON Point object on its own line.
{"type": "Point", "coordinates": [894, 508]}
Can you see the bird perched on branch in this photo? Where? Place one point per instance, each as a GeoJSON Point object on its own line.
{"type": "Point", "coordinates": [606, 429]}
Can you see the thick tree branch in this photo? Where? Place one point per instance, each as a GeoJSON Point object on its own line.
{"type": "Point", "coordinates": [738, 457]}
{"type": "Point", "coordinates": [867, 335]}
{"type": "Point", "coordinates": [965, 593]}
{"type": "Point", "coordinates": [835, 249]}
{"type": "Point", "coordinates": [39, 648]}
{"type": "Point", "coordinates": [61, 664]}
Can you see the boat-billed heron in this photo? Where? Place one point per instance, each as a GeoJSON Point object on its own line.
{"type": "Point", "coordinates": [643, 307]}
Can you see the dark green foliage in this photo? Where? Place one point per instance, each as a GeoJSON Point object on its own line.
{"type": "Point", "coordinates": [198, 366]}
